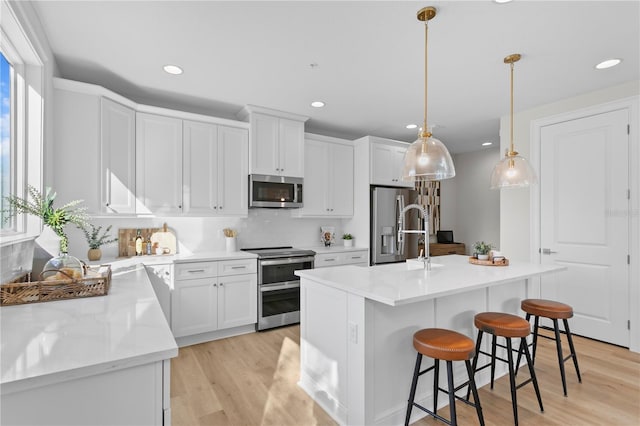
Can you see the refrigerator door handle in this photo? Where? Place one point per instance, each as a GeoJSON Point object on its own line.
{"type": "Point", "coordinates": [400, 239]}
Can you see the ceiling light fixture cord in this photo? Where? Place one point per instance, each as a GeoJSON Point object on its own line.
{"type": "Point", "coordinates": [511, 151]}
{"type": "Point", "coordinates": [426, 68]}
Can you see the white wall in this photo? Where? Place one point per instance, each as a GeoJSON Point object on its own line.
{"type": "Point", "coordinates": [475, 207]}
{"type": "Point", "coordinates": [515, 204]}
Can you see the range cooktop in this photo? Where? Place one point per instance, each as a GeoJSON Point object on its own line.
{"type": "Point", "coordinates": [275, 252]}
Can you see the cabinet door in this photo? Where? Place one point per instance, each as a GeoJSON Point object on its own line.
{"type": "Point", "coordinates": [200, 165]}
{"type": "Point", "coordinates": [117, 148]}
{"type": "Point", "coordinates": [341, 182]}
{"type": "Point", "coordinates": [316, 181]}
{"type": "Point", "coordinates": [264, 144]}
{"type": "Point", "coordinates": [193, 306]}
{"type": "Point", "coordinates": [382, 157]}
{"type": "Point", "coordinates": [233, 170]}
{"type": "Point", "coordinates": [77, 131]}
{"type": "Point", "coordinates": [158, 164]}
{"type": "Point", "coordinates": [237, 300]}
{"type": "Point", "coordinates": [398, 166]}
{"type": "Point", "coordinates": [291, 148]}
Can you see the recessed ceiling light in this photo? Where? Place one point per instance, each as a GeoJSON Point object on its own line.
{"type": "Point", "coordinates": [317, 104]}
{"type": "Point", "coordinates": [411, 126]}
{"type": "Point", "coordinates": [502, 1]}
{"type": "Point", "coordinates": [608, 63]}
{"type": "Point", "coordinates": [487, 143]}
{"type": "Point", "coordinates": [173, 69]}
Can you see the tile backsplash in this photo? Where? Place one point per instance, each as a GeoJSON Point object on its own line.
{"type": "Point", "coordinates": [262, 228]}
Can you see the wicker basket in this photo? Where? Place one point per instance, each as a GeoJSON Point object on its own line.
{"type": "Point", "coordinates": [96, 282]}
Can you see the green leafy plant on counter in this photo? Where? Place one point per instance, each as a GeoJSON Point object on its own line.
{"type": "Point", "coordinates": [480, 247]}
{"type": "Point", "coordinates": [40, 205]}
{"type": "Point", "coordinates": [94, 238]}
{"type": "Point", "coordinates": [347, 237]}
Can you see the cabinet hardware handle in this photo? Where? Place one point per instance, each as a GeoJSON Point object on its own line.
{"type": "Point", "coordinates": [180, 206]}
{"type": "Point", "coordinates": [215, 207]}
{"type": "Point", "coordinates": [194, 271]}
{"type": "Point", "coordinates": [356, 257]}
{"type": "Point", "coordinates": [220, 207]}
{"type": "Point", "coordinates": [167, 273]}
{"type": "Point", "coordinates": [329, 260]}
{"type": "Point", "coordinates": [107, 204]}
{"type": "Point", "coordinates": [238, 267]}
{"type": "Point", "coordinates": [215, 285]}
{"type": "Point", "coordinates": [221, 284]}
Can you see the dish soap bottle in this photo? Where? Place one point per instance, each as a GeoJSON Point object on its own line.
{"type": "Point", "coordinates": [138, 242]}
{"type": "Point", "coordinates": [148, 245]}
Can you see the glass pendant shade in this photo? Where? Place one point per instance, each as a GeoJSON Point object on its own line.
{"type": "Point", "coordinates": [512, 172]}
{"type": "Point", "coordinates": [427, 159]}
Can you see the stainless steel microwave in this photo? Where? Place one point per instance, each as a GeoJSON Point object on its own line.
{"type": "Point", "coordinates": [275, 191]}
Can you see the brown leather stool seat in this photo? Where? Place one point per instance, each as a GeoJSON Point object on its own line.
{"type": "Point", "coordinates": [449, 346]}
{"type": "Point", "coordinates": [501, 324]}
{"type": "Point", "coordinates": [444, 344]}
{"type": "Point", "coordinates": [547, 308]}
{"type": "Point", "coordinates": [508, 326]}
{"type": "Point", "coordinates": [554, 311]}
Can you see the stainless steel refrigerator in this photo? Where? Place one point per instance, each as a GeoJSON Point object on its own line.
{"type": "Point", "coordinates": [386, 204]}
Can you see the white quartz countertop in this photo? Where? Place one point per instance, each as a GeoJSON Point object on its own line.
{"type": "Point", "coordinates": [398, 284]}
{"type": "Point", "coordinates": [44, 343]}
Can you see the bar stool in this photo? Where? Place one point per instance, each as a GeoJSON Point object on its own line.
{"type": "Point", "coordinates": [554, 311]}
{"type": "Point", "coordinates": [447, 345]}
{"type": "Point", "coordinates": [508, 326]}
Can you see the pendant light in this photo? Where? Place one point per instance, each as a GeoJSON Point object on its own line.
{"type": "Point", "coordinates": [427, 158]}
{"type": "Point", "coordinates": [513, 171]}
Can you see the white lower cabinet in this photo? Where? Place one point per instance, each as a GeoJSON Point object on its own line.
{"type": "Point", "coordinates": [354, 257]}
{"type": "Point", "coordinates": [210, 296]}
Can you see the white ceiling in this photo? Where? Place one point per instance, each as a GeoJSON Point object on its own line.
{"type": "Point", "coordinates": [369, 55]}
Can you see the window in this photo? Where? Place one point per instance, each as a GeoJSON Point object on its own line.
{"type": "Point", "coordinates": [6, 139]}
{"type": "Point", "coordinates": [22, 105]}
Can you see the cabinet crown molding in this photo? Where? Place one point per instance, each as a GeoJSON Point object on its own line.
{"type": "Point", "coordinates": [249, 109]}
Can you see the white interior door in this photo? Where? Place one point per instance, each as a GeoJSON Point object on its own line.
{"type": "Point", "coordinates": [584, 179]}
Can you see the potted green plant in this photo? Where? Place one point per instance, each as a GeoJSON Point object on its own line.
{"type": "Point", "coordinates": [95, 239]}
{"type": "Point", "coordinates": [348, 240]}
{"type": "Point", "coordinates": [41, 206]}
{"type": "Point", "coordinates": [481, 250]}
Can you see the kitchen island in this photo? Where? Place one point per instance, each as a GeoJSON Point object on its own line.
{"type": "Point", "coordinates": [97, 360]}
{"type": "Point", "coordinates": [357, 325]}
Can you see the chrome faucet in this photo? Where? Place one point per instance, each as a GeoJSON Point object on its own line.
{"type": "Point", "coordinates": [426, 260]}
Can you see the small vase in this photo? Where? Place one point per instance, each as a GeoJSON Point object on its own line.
{"type": "Point", "coordinates": [483, 257]}
{"type": "Point", "coordinates": [348, 243]}
{"type": "Point", "coordinates": [94, 254]}
{"type": "Point", "coordinates": [232, 244]}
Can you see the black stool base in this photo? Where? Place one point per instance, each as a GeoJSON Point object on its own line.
{"type": "Point", "coordinates": [451, 392]}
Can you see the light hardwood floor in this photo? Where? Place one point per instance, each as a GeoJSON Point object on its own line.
{"type": "Point", "coordinates": [251, 380]}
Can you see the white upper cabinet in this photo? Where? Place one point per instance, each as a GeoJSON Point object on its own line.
{"type": "Point", "coordinates": [215, 164]}
{"type": "Point", "coordinates": [117, 148]}
{"type": "Point", "coordinates": [76, 151]}
{"type": "Point", "coordinates": [158, 164]}
{"type": "Point", "coordinates": [387, 160]}
{"type": "Point", "coordinates": [276, 142]}
{"type": "Point", "coordinates": [328, 182]}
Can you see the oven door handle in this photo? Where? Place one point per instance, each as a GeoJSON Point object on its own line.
{"type": "Point", "coordinates": [285, 286]}
{"type": "Point", "coordinates": [286, 261]}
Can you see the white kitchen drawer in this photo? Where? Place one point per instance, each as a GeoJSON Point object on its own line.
{"type": "Point", "coordinates": [190, 271]}
{"type": "Point", "coordinates": [341, 258]}
{"type": "Point", "coordinates": [327, 259]}
{"type": "Point", "coordinates": [354, 257]}
{"type": "Point", "coordinates": [237, 267]}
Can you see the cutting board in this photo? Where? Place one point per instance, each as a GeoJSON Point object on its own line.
{"type": "Point", "coordinates": [165, 239]}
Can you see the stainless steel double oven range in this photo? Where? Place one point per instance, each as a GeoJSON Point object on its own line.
{"type": "Point", "coordinates": [278, 286]}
